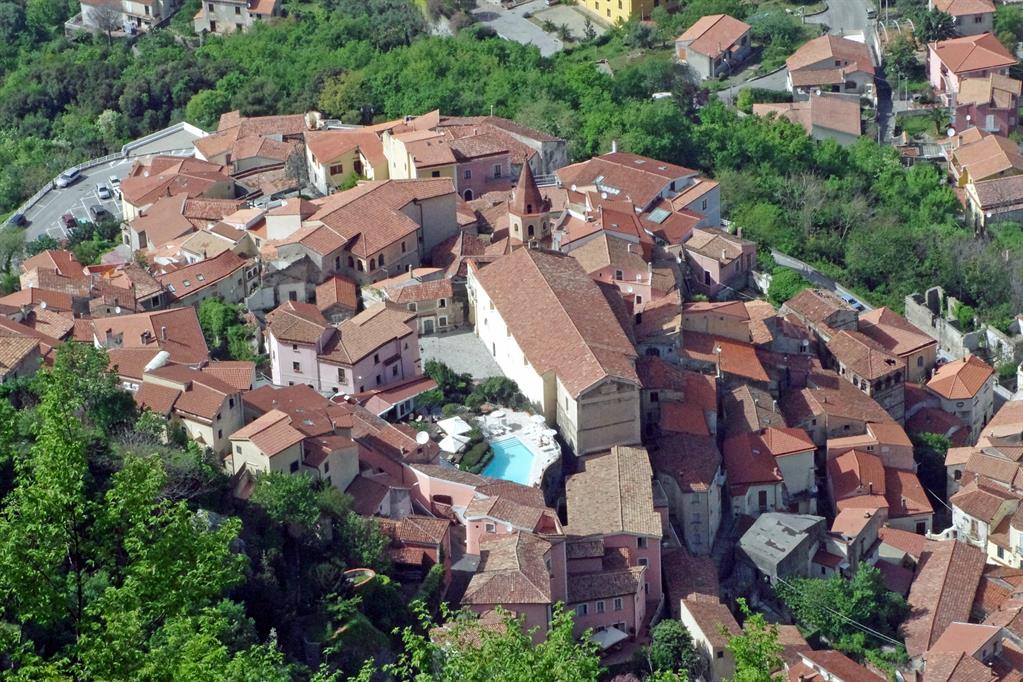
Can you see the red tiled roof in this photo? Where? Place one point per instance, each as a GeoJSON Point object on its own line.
{"type": "Point", "coordinates": [972, 53]}
{"type": "Point", "coordinates": [942, 593]}
{"type": "Point", "coordinates": [592, 345]}
{"type": "Point", "coordinates": [961, 379]}
{"type": "Point", "coordinates": [337, 290]}
{"type": "Point", "coordinates": [714, 34]}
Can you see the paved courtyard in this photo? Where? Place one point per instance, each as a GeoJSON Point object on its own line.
{"type": "Point", "coordinates": [571, 16]}
{"type": "Point", "coordinates": [462, 351]}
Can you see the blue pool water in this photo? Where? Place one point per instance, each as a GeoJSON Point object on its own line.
{"type": "Point", "coordinates": [512, 461]}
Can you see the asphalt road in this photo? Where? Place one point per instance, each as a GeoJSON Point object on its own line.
{"type": "Point", "coordinates": [841, 17]}
{"type": "Point", "coordinates": [44, 217]}
{"type": "Point", "coordinates": [511, 25]}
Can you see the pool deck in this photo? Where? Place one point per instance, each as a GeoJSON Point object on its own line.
{"type": "Point", "coordinates": [519, 425]}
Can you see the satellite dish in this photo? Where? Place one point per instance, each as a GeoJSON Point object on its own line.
{"type": "Point", "coordinates": [422, 437]}
{"type": "Point", "coordinates": [42, 305]}
{"type": "Point", "coordinates": [951, 132]}
{"type": "Point", "coordinates": [117, 310]}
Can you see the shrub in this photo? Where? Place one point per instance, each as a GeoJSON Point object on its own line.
{"type": "Point", "coordinates": [1006, 371]}
{"type": "Point", "coordinates": [477, 458]}
{"type": "Point", "coordinates": [500, 390]}
{"type": "Point", "coordinates": [785, 284]}
{"type": "Point", "coordinates": [451, 409]}
{"type": "Point", "coordinates": [429, 591]}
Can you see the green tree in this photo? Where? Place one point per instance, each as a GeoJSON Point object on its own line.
{"type": "Point", "coordinates": [287, 499]}
{"type": "Point", "coordinates": [226, 332]}
{"type": "Point", "coordinates": [785, 283]}
{"type": "Point", "coordinates": [756, 650]}
{"type": "Point", "coordinates": [204, 108]}
{"type": "Point", "coordinates": [672, 650]}
{"type": "Point", "coordinates": [933, 25]}
{"type": "Point", "coordinates": [1009, 25]}
{"type": "Point", "coordinates": [94, 579]}
{"type": "Point", "coordinates": [833, 606]}
{"type": "Point", "coordinates": [475, 653]}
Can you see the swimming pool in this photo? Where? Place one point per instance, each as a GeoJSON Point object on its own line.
{"type": "Point", "coordinates": [512, 461]}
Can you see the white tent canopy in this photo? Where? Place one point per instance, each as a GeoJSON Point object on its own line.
{"type": "Point", "coordinates": [607, 638]}
{"type": "Point", "coordinates": [454, 426]}
{"type": "Point", "coordinates": [453, 444]}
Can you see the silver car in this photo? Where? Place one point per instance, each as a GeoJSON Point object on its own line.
{"type": "Point", "coordinates": [68, 177]}
{"type": "Point", "coordinates": [103, 192]}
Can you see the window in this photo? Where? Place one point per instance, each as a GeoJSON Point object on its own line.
{"type": "Point", "coordinates": [381, 260]}
{"type": "Point", "coordinates": [297, 367]}
{"type": "Point", "coordinates": [220, 433]}
{"type": "Point", "coordinates": [326, 467]}
{"type": "Point", "coordinates": [294, 346]}
{"type": "Point", "coordinates": [442, 321]}
{"type": "Point", "coordinates": [412, 307]}
{"type": "Point", "coordinates": [341, 377]}
{"type": "Point", "coordinates": [706, 277]}
{"type": "Point", "coordinates": [979, 19]}
{"type": "Point", "coordinates": [618, 606]}
{"type": "Point", "coordinates": [490, 527]}
{"type": "Point", "coordinates": [704, 205]}
{"type": "Point", "coordinates": [378, 379]}
{"type": "Point", "coordinates": [641, 542]}
{"type": "Point", "coordinates": [654, 396]}
{"type": "Point", "coordinates": [619, 274]}
{"type": "Point", "coordinates": [921, 528]}
{"type": "Point", "coordinates": [719, 653]}
{"type": "Point", "coordinates": [403, 247]}
{"type": "Point", "coordinates": [643, 561]}
{"type": "Point", "coordinates": [467, 195]}
{"type": "Point", "coordinates": [619, 4]}
{"type": "Point", "coordinates": [957, 475]}
{"type": "Point", "coordinates": [294, 466]}
{"type": "Point", "coordinates": [238, 10]}
{"type": "Point", "coordinates": [359, 266]}
{"type": "Point", "coordinates": [531, 231]}
{"type": "Point", "coordinates": [581, 609]}
{"type": "Point", "coordinates": [230, 402]}
{"type": "Point", "coordinates": [497, 170]}
{"type": "Point", "coordinates": [920, 361]}
{"type": "Point", "coordinates": [292, 295]}
{"type": "Point", "coordinates": [372, 264]}
{"type": "Point", "coordinates": [209, 6]}
{"type": "Point", "coordinates": [435, 174]}
{"type": "Point", "coordinates": [237, 449]}
{"type": "Point", "coordinates": [639, 299]}
{"type": "Point", "coordinates": [467, 174]}
{"type": "Point", "coordinates": [337, 169]}
{"type": "Point", "coordinates": [762, 499]}
{"type": "Point", "coordinates": [394, 371]}
{"type": "Point", "coordinates": [351, 262]}
{"type": "Point", "coordinates": [442, 303]}
{"type": "Point", "coordinates": [376, 357]}
{"type": "Point", "coordinates": [600, 605]}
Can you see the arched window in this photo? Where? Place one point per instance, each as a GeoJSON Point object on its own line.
{"type": "Point", "coordinates": [372, 264]}
{"type": "Point", "coordinates": [358, 266]}
{"type": "Point", "coordinates": [351, 262]}
{"type": "Point", "coordinates": [529, 208]}
{"type": "Point", "coordinates": [381, 260]}
{"type": "Point", "coordinates": [468, 195]}
{"type": "Point", "coordinates": [530, 230]}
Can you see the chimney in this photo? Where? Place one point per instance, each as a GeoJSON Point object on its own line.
{"type": "Point", "coordinates": [724, 255]}
{"type": "Point", "coordinates": [614, 146]}
{"type": "Point", "coordinates": [628, 246]}
{"type": "Point", "coordinates": [738, 232]}
{"type": "Point", "coordinates": [870, 487]}
{"type": "Point", "coordinates": [163, 333]}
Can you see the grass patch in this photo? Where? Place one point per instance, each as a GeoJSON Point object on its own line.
{"type": "Point", "coordinates": [915, 125]}
{"type": "Point", "coordinates": [477, 458]}
{"type": "Point", "coordinates": [808, 8]}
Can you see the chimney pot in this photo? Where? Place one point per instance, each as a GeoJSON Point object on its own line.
{"type": "Point", "coordinates": [163, 333]}
{"type": "Point", "coordinates": [614, 146]}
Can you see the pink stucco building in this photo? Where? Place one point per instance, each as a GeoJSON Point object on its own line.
{"type": "Point", "coordinates": [377, 347]}
{"type": "Point", "coordinates": [977, 56]}
{"type": "Point", "coordinates": [719, 263]}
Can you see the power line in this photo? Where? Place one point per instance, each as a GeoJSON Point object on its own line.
{"type": "Point", "coordinates": [849, 620]}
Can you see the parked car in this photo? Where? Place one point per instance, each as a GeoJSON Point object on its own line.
{"type": "Point", "coordinates": [17, 220]}
{"type": "Point", "coordinates": [103, 192]}
{"type": "Point", "coordinates": [871, 13]}
{"type": "Point", "coordinates": [68, 221]}
{"type": "Point", "coordinates": [115, 181]}
{"type": "Point", "coordinates": [99, 213]}
{"type": "Point", "coordinates": [68, 177]}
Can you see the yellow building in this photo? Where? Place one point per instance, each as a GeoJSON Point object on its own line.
{"type": "Point", "coordinates": [613, 11]}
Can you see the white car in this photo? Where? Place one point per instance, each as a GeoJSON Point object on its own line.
{"type": "Point", "coordinates": [68, 178]}
{"type": "Point", "coordinates": [103, 192]}
{"type": "Point", "coordinates": [114, 181]}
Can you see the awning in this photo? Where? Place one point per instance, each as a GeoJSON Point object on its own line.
{"type": "Point", "coordinates": [453, 444]}
{"type": "Point", "coordinates": [455, 426]}
{"type": "Point", "coordinates": [606, 639]}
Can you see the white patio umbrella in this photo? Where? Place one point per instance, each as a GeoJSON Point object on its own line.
{"type": "Point", "coordinates": [453, 444]}
{"type": "Point", "coordinates": [454, 426]}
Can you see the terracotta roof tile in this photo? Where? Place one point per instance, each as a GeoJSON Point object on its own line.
{"type": "Point", "coordinates": [592, 345]}
{"type": "Point", "coordinates": [961, 379]}
{"type": "Point", "coordinates": [624, 175]}
{"type": "Point", "coordinates": [855, 56]}
{"type": "Point", "coordinates": [910, 543]}
{"type": "Point", "coordinates": [942, 593]}
{"type": "Point", "coordinates": [512, 570]}
{"type": "Point", "coordinates": [337, 290]}
{"type": "Point", "coordinates": [613, 493]}
{"type": "Point", "coordinates": [714, 34]}
{"type": "Point", "coordinates": [606, 584]}
{"type": "Point", "coordinates": [713, 618]}
{"type": "Point", "coordinates": [176, 331]}
{"type": "Point", "coordinates": [364, 334]}
{"type": "Point", "coordinates": [192, 278]}
{"type": "Point", "coordinates": [272, 433]}
{"type": "Point", "coordinates": [972, 53]}
{"type": "Point", "coordinates": [863, 356]}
